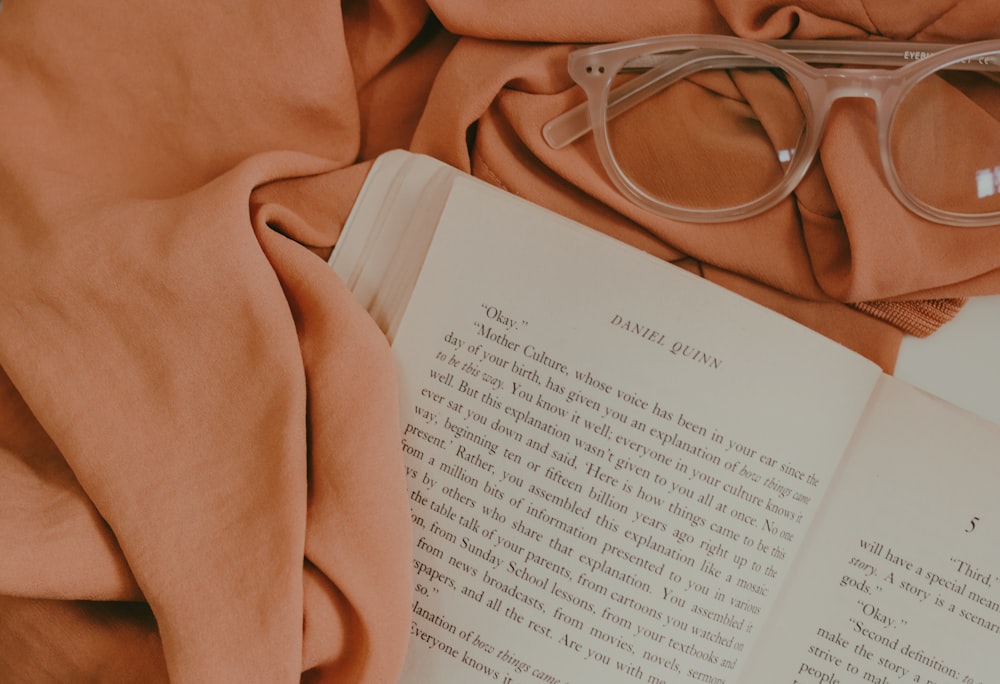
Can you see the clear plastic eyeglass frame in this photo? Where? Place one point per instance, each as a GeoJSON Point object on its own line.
{"type": "Point", "coordinates": [594, 68]}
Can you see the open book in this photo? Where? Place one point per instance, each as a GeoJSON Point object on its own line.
{"type": "Point", "coordinates": [620, 472]}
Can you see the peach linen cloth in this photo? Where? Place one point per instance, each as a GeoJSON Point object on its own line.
{"type": "Point", "coordinates": [199, 451]}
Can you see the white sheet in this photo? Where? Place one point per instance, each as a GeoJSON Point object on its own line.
{"type": "Point", "coordinates": [961, 361]}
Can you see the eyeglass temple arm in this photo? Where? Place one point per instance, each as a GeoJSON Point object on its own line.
{"type": "Point", "coordinates": [658, 72]}
{"type": "Point", "coordinates": [575, 122]}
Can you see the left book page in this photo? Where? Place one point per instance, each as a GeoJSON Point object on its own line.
{"type": "Point", "coordinates": [611, 462]}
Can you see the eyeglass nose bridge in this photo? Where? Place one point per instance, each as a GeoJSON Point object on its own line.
{"type": "Point", "coordinates": [835, 84]}
{"type": "Point", "coordinates": [826, 86]}
{"type": "Point", "coordinates": [831, 84]}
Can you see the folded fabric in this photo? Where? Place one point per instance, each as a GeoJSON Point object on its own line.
{"type": "Point", "coordinates": [200, 469]}
{"type": "Point", "coordinates": [199, 454]}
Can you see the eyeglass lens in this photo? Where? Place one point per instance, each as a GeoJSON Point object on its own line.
{"type": "Point", "coordinates": [944, 141]}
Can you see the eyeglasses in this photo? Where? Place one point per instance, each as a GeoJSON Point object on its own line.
{"type": "Point", "coordinates": [718, 128]}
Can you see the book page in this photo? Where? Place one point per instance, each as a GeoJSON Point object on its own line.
{"type": "Point", "coordinates": [900, 579]}
{"type": "Point", "coordinates": [385, 238]}
{"type": "Point", "coordinates": [611, 461]}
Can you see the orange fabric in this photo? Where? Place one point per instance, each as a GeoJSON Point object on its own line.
{"type": "Point", "coordinates": [200, 472]}
{"type": "Point", "coordinates": [201, 475]}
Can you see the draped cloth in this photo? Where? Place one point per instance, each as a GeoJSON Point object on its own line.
{"type": "Point", "coordinates": [200, 468]}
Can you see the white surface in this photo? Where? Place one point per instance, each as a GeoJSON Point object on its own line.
{"type": "Point", "coordinates": [961, 361]}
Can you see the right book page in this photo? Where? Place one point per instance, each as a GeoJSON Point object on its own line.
{"type": "Point", "coordinates": [898, 578]}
